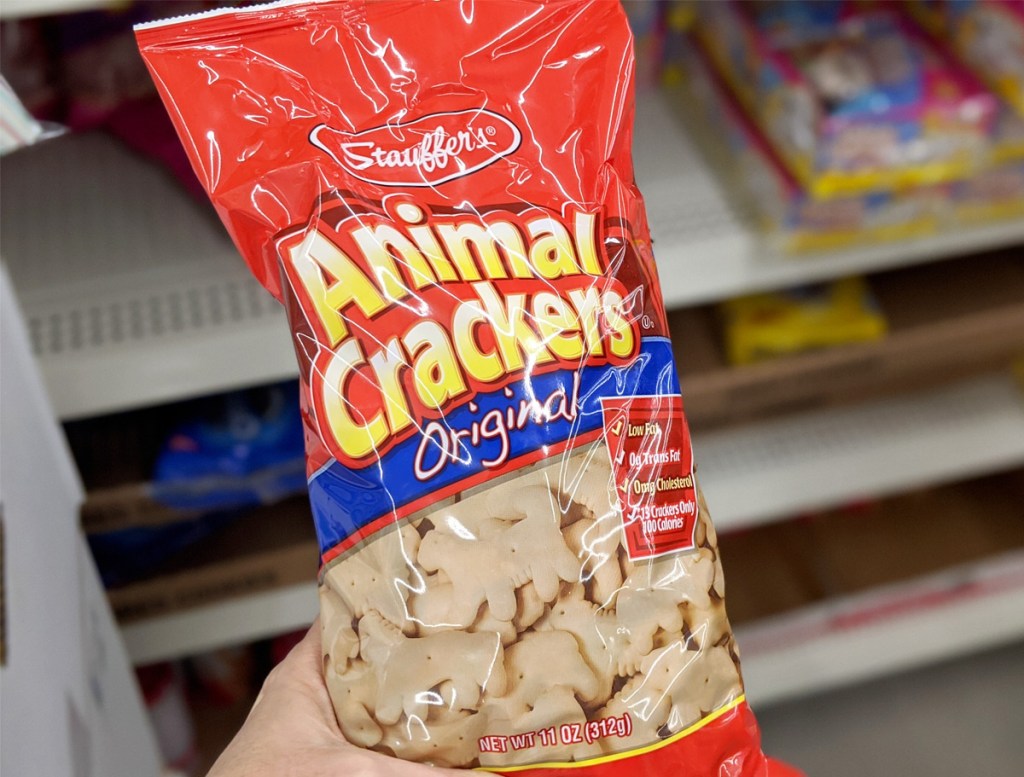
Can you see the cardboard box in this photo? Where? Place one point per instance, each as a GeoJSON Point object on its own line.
{"type": "Point", "coordinates": [786, 567]}
{"type": "Point", "coordinates": [947, 321]}
{"type": "Point", "coordinates": [917, 534]}
{"type": "Point", "coordinates": [269, 548]}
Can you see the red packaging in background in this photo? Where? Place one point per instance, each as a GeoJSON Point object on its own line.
{"type": "Point", "coordinates": [225, 675]}
{"type": "Point", "coordinates": [163, 688]}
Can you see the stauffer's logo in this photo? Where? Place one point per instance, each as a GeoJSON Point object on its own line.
{"type": "Point", "coordinates": [428, 151]}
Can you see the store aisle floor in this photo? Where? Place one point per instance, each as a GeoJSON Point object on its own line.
{"type": "Point", "coordinates": [959, 719]}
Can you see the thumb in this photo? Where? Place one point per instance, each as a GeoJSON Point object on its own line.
{"type": "Point", "coordinates": [295, 689]}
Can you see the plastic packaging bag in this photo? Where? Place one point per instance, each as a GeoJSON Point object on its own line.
{"type": "Point", "coordinates": [518, 569]}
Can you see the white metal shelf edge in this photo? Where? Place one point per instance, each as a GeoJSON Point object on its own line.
{"type": "Point", "coordinates": [103, 272]}
{"type": "Point", "coordinates": [764, 471]}
{"type": "Point", "coordinates": [229, 358]}
{"type": "Point", "coordinates": [232, 622]}
{"type": "Point", "coordinates": [935, 628]}
{"type": "Point", "coordinates": [16, 9]}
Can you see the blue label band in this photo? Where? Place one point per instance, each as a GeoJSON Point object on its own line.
{"type": "Point", "coordinates": [534, 414]}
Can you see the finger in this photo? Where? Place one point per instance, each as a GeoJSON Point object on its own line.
{"type": "Point", "coordinates": [366, 763]}
{"type": "Point", "coordinates": [308, 650]}
{"type": "Point", "coordinates": [304, 664]}
{"type": "Point", "coordinates": [306, 667]}
{"type": "Point", "coordinates": [292, 727]}
{"type": "Point", "coordinates": [295, 689]}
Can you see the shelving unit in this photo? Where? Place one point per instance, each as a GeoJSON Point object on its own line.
{"type": "Point", "coordinates": [212, 626]}
{"type": "Point", "coordinates": [15, 9]}
{"type": "Point", "coordinates": [856, 638]}
{"type": "Point", "coordinates": [763, 471]}
{"type": "Point", "coordinates": [813, 649]}
{"type": "Point", "coordinates": [133, 292]}
{"type": "Point", "coordinates": [751, 475]}
{"type": "Point", "coordinates": [130, 304]}
{"type": "Point", "coordinates": [154, 304]}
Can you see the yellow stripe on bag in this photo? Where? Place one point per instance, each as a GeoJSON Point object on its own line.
{"type": "Point", "coordinates": [604, 759]}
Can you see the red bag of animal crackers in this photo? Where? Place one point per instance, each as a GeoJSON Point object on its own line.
{"type": "Point", "coordinates": [518, 570]}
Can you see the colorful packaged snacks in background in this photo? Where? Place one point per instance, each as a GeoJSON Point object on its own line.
{"type": "Point", "coordinates": [853, 100]}
{"type": "Point", "coordinates": [772, 324]}
{"type": "Point", "coordinates": [518, 569]}
{"type": "Point", "coordinates": [647, 23]}
{"type": "Point", "coordinates": [988, 37]}
{"type": "Point", "coordinates": [987, 34]}
{"type": "Point", "coordinates": [996, 193]}
{"type": "Point", "coordinates": [796, 220]}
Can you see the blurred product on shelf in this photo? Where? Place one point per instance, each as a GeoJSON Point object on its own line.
{"type": "Point", "coordinates": [647, 21]}
{"type": "Point", "coordinates": [944, 322]}
{"type": "Point", "coordinates": [266, 549]}
{"type": "Point", "coordinates": [129, 554]}
{"type": "Point", "coordinates": [773, 324]}
{"type": "Point", "coordinates": [224, 676]}
{"type": "Point", "coordinates": [27, 100]}
{"type": "Point", "coordinates": [247, 456]}
{"type": "Point", "coordinates": [84, 71]}
{"type": "Point", "coordinates": [800, 221]}
{"type": "Point", "coordinates": [164, 465]}
{"type": "Point", "coordinates": [855, 99]}
{"type": "Point", "coordinates": [18, 127]}
{"type": "Point", "coordinates": [163, 688]}
{"type": "Point", "coordinates": [987, 34]}
{"type": "Point", "coordinates": [238, 451]}
{"type": "Point", "coordinates": [987, 38]}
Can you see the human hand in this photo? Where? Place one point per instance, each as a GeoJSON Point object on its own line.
{"type": "Point", "coordinates": [292, 730]}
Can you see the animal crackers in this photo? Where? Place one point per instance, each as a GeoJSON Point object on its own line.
{"type": "Point", "coordinates": [518, 571]}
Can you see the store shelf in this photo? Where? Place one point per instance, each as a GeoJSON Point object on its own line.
{"type": "Point", "coordinates": [813, 649]}
{"type": "Point", "coordinates": [15, 9]}
{"type": "Point", "coordinates": [135, 296]}
{"type": "Point", "coordinates": [881, 632]}
{"type": "Point", "coordinates": [751, 475]}
{"type": "Point", "coordinates": [231, 622]}
{"type": "Point", "coordinates": [707, 248]}
{"type": "Point", "coordinates": [760, 472]}
{"type": "Point", "coordinates": [133, 292]}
